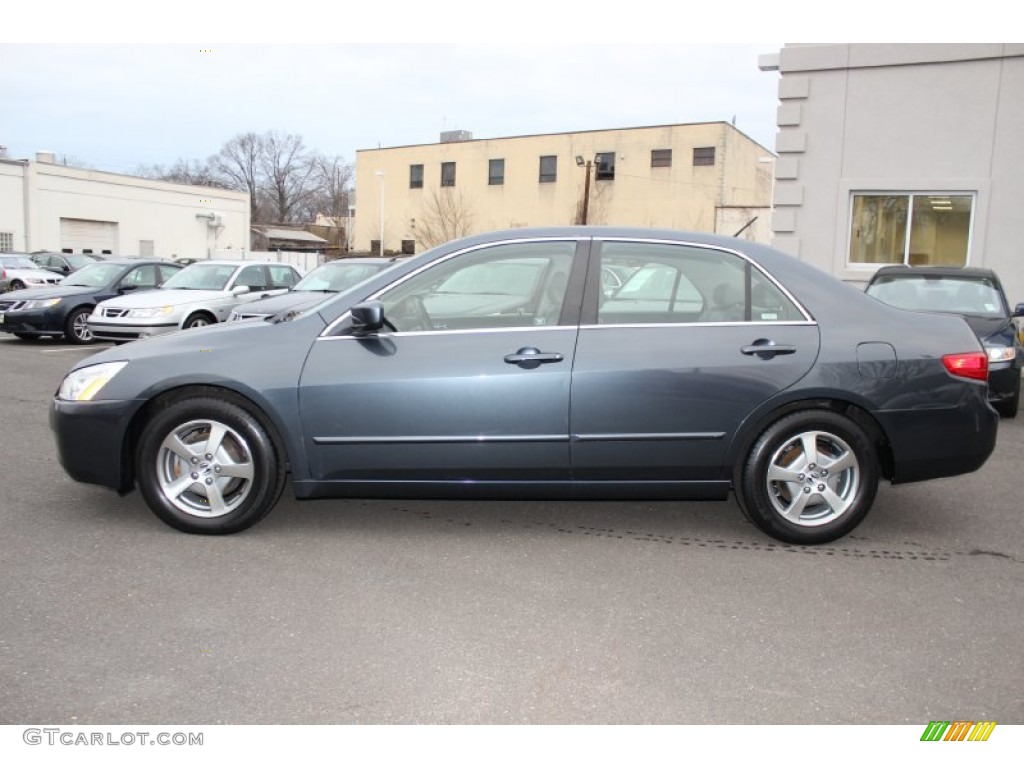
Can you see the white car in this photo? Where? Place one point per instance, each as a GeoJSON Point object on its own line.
{"type": "Point", "coordinates": [18, 271]}
{"type": "Point", "coordinates": [201, 294]}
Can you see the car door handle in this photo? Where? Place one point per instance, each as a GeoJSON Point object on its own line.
{"type": "Point", "coordinates": [766, 349]}
{"type": "Point", "coordinates": [532, 355]}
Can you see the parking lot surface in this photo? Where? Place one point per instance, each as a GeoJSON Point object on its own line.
{"type": "Point", "coordinates": [498, 612]}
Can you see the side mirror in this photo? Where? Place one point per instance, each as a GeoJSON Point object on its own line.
{"type": "Point", "coordinates": [1018, 311]}
{"type": "Point", "coordinates": [127, 288]}
{"type": "Point", "coordinates": [238, 290]}
{"type": "Point", "coordinates": [367, 317]}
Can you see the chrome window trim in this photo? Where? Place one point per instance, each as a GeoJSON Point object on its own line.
{"type": "Point", "coordinates": [449, 332]}
{"type": "Point", "coordinates": [768, 324]}
{"type": "Point", "coordinates": [480, 246]}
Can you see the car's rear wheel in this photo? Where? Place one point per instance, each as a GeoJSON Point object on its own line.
{"type": "Point", "coordinates": [810, 478]}
{"type": "Point", "coordinates": [16, 285]}
{"type": "Point", "coordinates": [208, 466]}
{"type": "Point", "coordinates": [76, 327]}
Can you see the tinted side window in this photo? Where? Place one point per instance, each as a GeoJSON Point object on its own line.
{"type": "Point", "coordinates": [522, 284]}
{"type": "Point", "coordinates": [282, 276]}
{"type": "Point", "coordinates": [685, 284]}
{"type": "Point", "coordinates": [140, 278]}
{"type": "Point", "coordinates": [253, 277]}
{"type": "Point", "coordinates": [166, 271]}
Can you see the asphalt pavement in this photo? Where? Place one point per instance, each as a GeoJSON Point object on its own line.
{"type": "Point", "coordinates": [395, 612]}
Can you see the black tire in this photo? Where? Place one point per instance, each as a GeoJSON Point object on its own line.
{"type": "Point", "coordinates": [829, 493]}
{"type": "Point", "coordinates": [76, 330]}
{"type": "Point", "coordinates": [1008, 408]}
{"type": "Point", "coordinates": [245, 447]}
{"type": "Point", "coordinates": [16, 285]}
{"type": "Point", "coordinates": [198, 320]}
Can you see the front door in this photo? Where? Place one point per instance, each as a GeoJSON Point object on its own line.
{"type": "Point", "coordinates": [470, 384]}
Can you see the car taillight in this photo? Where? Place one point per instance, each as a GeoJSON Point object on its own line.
{"type": "Point", "coordinates": [970, 365]}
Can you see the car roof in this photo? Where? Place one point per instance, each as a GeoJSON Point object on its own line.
{"type": "Point", "coordinates": [361, 260]}
{"type": "Point", "coordinates": [136, 261]}
{"type": "Point", "coordinates": [242, 263]}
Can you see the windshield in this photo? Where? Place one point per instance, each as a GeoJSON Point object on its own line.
{"type": "Point", "coordinates": [954, 295]}
{"type": "Point", "coordinates": [202, 277]}
{"type": "Point", "coordinates": [337, 277]}
{"type": "Point", "coordinates": [17, 262]}
{"type": "Point", "coordinates": [93, 276]}
{"type": "Point", "coordinates": [78, 262]}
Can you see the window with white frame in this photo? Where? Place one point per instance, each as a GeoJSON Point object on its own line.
{"type": "Point", "coordinates": [915, 228]}
{"type": "Point", "coordinates": [6, 242]}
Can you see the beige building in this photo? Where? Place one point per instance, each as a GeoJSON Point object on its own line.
{"type": "Point", "coordinates": [45, 206]}
{"type": "Point", "coordinates": [707, 177]}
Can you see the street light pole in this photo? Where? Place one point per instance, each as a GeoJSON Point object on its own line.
{"type": "Point", "coordinates": [381, 174]}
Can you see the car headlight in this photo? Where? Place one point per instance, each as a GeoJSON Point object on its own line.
{"type": "Point", "coordinates": [41, 303]}
{"type": "Point", "coordinates": [151, 312]}
{"type": "Point", "coordinates": [1000, 354]}
{"type": "Point", "coordinates": [85, 383]}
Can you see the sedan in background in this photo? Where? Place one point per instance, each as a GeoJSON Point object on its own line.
{"type": "Point", "coordinates": [200, 294]}
{"type": "Point", "coordinates": [64, 263]}
{"type": "Point", "coordinates": [18, 271]}
{"type": "Point", "coordinates": [977, 296]}
{"type": "Point", "coordinates": [415, 384]}
{"type": "Point", "coordinates": [64, 309]}
{"type": "Point", "coordinates": [330, 278]}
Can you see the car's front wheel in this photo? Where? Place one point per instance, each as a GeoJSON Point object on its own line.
{"type": "Point", "coordinates": [76, 327]}
{"type": "Point", "coordinates": [198, 320]}
{"type": "Point", "coordinates": [811, 477]}
{"type": "Point", "coordinates": [209, 466]}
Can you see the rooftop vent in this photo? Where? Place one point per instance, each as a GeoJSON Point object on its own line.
{"type": "Point", "coordinates": [449, 137]}
{"type": "Point", "coordinates": [46, 157]}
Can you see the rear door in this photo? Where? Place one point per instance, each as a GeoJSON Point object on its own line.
{"type": "Point", "coordinates": [670, 363]}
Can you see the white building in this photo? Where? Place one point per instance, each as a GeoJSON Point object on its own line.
{"type": "Point", "coordinates": [905, 154]}
{"type": "Point", "coordinates": [50, 207]}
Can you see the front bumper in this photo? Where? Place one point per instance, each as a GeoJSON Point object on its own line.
{"type": "Point", "coordinates": [1003, 380]}
{"type": "Point", "coordinates": [91, 441]}
{"type": "Point", "coordinates": [36, 322]}
{"type": "Point", "coordinates": [126, 332]}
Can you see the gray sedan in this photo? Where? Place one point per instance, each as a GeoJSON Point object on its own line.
{"type": "Point", "coordinates": [500, 366]}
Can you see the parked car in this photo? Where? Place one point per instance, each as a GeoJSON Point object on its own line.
{"type": "Point", "coordinates": [977, 296]}
{"type": "Point", "coordinates": [799, 405]}
{"type": "Point", "coordinates": [64, 309]}
{"type": "Point", "coordinates": [332, 277]}
{"type": "Point", "coordinates": [200, 294]}
{"type": "Point", "coordinates": [18, 271]}
{"type": "Point", "coordinates": [64, 263]}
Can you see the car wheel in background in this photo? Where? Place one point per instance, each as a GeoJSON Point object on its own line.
{"type": "Point", "coordinates": [16, 285]}
{"type": "Point", "coordinates": [810, 478]}
{"type": "Point", "coordinates": [208, 466]}
{"type": "Point", "coordinates": [198, 320]}
{"type": "Point", "coordinates": [76, 327]}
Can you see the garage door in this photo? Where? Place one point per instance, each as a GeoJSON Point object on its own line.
{"type": "Point", "coordinates": [85, 236]}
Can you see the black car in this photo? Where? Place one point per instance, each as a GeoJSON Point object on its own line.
{"type": "Point", "coordinates": [64, 263]}
{"type": "Point", "coordinates": [974, 294]}
{"type": "Point", "coordinates": [64, 309]}
{"type": "Point", "coordinates": [332, 277]}
{"type": "Point", "coordinates": [732, 367]}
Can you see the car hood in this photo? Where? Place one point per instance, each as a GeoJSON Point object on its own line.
{"type": "Point", "coordinates": [26, 273]}
{"type": "Point", "coordinates": [52, 292]}
{"type": "Point", "coordinates": [292, 300]}
{"type": "Point", "coordinates": [161, 297]}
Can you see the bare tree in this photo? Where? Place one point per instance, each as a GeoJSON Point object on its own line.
{"type": "Point", "coordinates": [332, 187]}
{"type": "Point", "coordinates": [238, 166]}
{"type": "Point", "coordinates": [446, 216]}
{"type": "Point", "coordinates": [183, 171]}
{"type": "Point", "coordinates": [289, 173]}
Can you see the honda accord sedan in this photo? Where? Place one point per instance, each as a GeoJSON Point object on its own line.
{"type": "Point", "coordinates": [718, 366]}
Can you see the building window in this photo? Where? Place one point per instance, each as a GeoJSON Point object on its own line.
{"type": "Point", "coordinates": [408, 247]}
{"type": "Point", "coordinates": [911, 228]}
{"type": "Point", "coordinates": [415, 177]}
{"type": "Point", "coordinates": [496, 172]}
{"type": "Point", "coordinates": [548, 168]}
{"type": "Point", "coordinates": [661, 158]}
{"type": "Point", "coordinates": [6, 242]}
{"type": "Point", "coordinates": [447, 174]}
{"type": "Point", "coordinates": [605, 162]}
{"type": "Point", "coordinates": [703, 155]}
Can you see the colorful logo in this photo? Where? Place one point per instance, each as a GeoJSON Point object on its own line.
{"type": "Point", "coordinates": [958, 730]}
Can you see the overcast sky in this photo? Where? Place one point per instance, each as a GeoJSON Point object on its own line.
{"type": "Point", "coordinates": [115, 107]}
